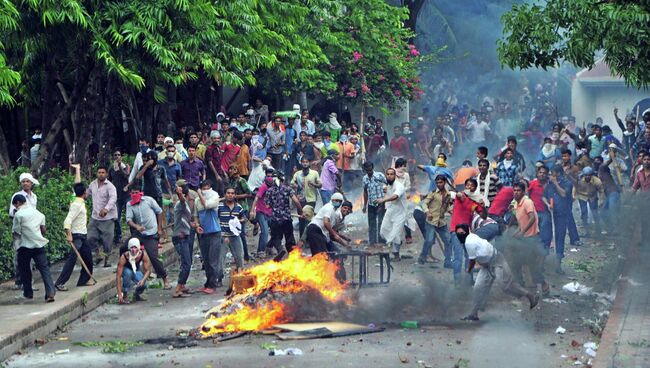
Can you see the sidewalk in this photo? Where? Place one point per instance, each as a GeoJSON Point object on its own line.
{"type": "Point", "coordinates": [626, 338]}
{"type": "Point", "coordinates": [24, 321]}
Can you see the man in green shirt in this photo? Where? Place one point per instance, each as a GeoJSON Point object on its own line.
{"type": "Point", "coordinates": [306, 183]}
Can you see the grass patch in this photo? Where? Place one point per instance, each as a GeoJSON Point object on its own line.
{"type": "Point", "coordinates": [110, 347]}
{"type": "Point", "coordinates": [643, 343]}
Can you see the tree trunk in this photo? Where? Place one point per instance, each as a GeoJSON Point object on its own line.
{"type": "Point", "coordinates": [5, 161]}
{"type": "Point", "coordinates": [106, 124]}
{"type": "Point", "coordinates": [414, 7]}
{"type": "Point", "coordinates": [56, 128]}
{"type": "Point", "coordinates": [303, 100]}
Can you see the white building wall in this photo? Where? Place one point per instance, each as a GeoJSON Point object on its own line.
{"type": "Point", "coordinates": [599, 100]}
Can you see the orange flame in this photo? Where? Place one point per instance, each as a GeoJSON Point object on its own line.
{"type": "Point", "coordinates": [296, 274]}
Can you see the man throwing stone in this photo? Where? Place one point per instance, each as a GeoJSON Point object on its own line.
{"type": "Point", "coordinates": [493, 267]}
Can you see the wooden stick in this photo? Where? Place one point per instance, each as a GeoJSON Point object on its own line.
{"type": "Point", "coordinates": [83, 264]}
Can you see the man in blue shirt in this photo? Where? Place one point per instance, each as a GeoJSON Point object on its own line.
{"type": "Point", "coordinates": [434, 171]}
{"type": "Point", "coordinates": [373, 190]}
{"type": "Point", "coordinates": [558, 196]}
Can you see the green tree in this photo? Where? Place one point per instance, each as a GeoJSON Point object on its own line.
{"type": "Point", "coordinates": [546, 33]}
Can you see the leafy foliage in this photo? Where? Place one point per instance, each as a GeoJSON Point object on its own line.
{"type": "Point", "coordinates": [544, 34]}
{"type": "Point", "coordinates": [54, 197]}
{"type": "Point", "coordinates": [307, 45]}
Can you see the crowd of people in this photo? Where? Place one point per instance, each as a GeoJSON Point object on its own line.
{"type": "Point", "coordinates": [451, 175]}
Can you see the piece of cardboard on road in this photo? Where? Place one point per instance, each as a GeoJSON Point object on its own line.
{"type": "Point", "coordinates": [298, 331]}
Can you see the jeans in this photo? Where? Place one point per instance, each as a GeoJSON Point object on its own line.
{"type": "Point", "coordinates": [121, 208]}
{"type": "Point", "coordinates": [79, 241]}
{"type": "Point", "coordinates": [545, 228]}
{"type": "Point", "coordinates": [25, 255]}
{"type": "Point", "coordinates": [326, 195]}
{"type": "Point", "coordinates": [264, 231]}
{"type": "Point", "coordinates": [280, 229]}
{"type": "Point", "coordinates": [130, 278]}
{"type": "Point", "coordinates": [572, 229]}
{"type": "Point", "coordinates": [210, 245]}
{"type": "Point", "coordinates": [561, 227]}
{"type": "Point", "coordinates": [488, 232]}
{"type": "Point", "coordinates": [612, 205]}
{"type": "Point", "coordinates": [183, 246]}
{"type": "Point", "coordinates": [458, 256]}
{"type": "Point", "coordinates": [150, 243]}
{"type": "Point", "coordinates": [236, 249]}
{"type": "Point", "coordinates": [591, 204]}
{"type": "Point", "coordinates": [375, 218]}
{"type": "Point", "coordinates": [430, 237]}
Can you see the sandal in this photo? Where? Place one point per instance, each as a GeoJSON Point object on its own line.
{"type": "Point", "coordinates": [61, 287]}
{"type": "Point", "coordinates": [167, 287]}
{"type": "Point", "coordinates": [181, 295]}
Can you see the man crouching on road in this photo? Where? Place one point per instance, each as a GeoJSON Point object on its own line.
{"type": "Point", "coordinates": [133, 259]}
{"type": "Point", "coordinates": [493, 267]}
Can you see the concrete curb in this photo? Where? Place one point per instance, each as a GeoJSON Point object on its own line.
{"type": "Point", "coordinates": [67, 311]}
{"type": "Point", "coordinates": [609, 341]}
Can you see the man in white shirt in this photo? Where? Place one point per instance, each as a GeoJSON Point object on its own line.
{"type": "Point", "coordinates": [477, 130]}
{"type": "Point", "coordinates": [324, 227]}
{"type": "Point", "coordinates": [493, 267]}
{"type": "Point", "coordinates": [27, 183]}
{"type": "Point", "coordinates": [396, 217]}
{"type": "Point", "coordinates": [28, 229]}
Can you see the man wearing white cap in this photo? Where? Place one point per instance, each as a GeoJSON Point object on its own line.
{"type": "Point", "coordinates": [129, 271]}
{"type": "Point", "coordinates": [162, 155]}
{"type": "Point", "coordinates": [324, 227]}
{"type": "Point", "coordinates": [27, 182]}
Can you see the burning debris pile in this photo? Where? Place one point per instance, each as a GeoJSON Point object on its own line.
{"type": "Point", "coordinates": [265, 295]}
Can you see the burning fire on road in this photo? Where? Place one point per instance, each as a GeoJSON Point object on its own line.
{"type": "Point", "coordinates": [263, 295]}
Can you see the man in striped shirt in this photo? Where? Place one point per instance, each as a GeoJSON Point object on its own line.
{"type": "Point", "coordinates": [230, 217]}
{"type": "Point", "coordinates": [487, 182]}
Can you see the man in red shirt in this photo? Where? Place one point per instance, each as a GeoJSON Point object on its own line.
{"type": "Point", "coordinates": [642, 178]}
{"type": "Point", "coordinates": [399, 145]}
{"type": "Point", "coordinates": [212, 160]}
{"type": "Point", "coordinates": [465, 205]}
{"type": "Point", "coordinates": [230, 151]}
{"type": "Point", "coordinates": [536, 192]}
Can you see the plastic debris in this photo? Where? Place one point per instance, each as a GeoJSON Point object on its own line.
{"type": "Point", "coordinates": [63, 351]}
{"type": "Point", "coordinates": [554, 300]}
{"type": "Point", "coordinates": [288, 351]}
{"type": "Point", "coordinates": [560, 330]}
{"type": "Point", "coordinates": [590, 352]}
{"type": "Point", "coordinates": [409, 324]}
{"type": "Point", "coordinates": [576, 287]}
{"type": "Point", "coordinates": [577, 362]}
{"type": "Point", "coordinates": [574, 250]}
{"type": "Point", "coordinates": [590, 345]}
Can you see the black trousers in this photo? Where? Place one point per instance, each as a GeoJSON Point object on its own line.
{"type": "Point", "coordinates": [280, 229]}
{"type": "Point", "coordinates": [79, 241]}
{"type": "Point", "coordinates": [150, 243]}
{"type": "Point", "coordinates": [25, 255]}
{"type": "Point", "coordinates": [316, 239]}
